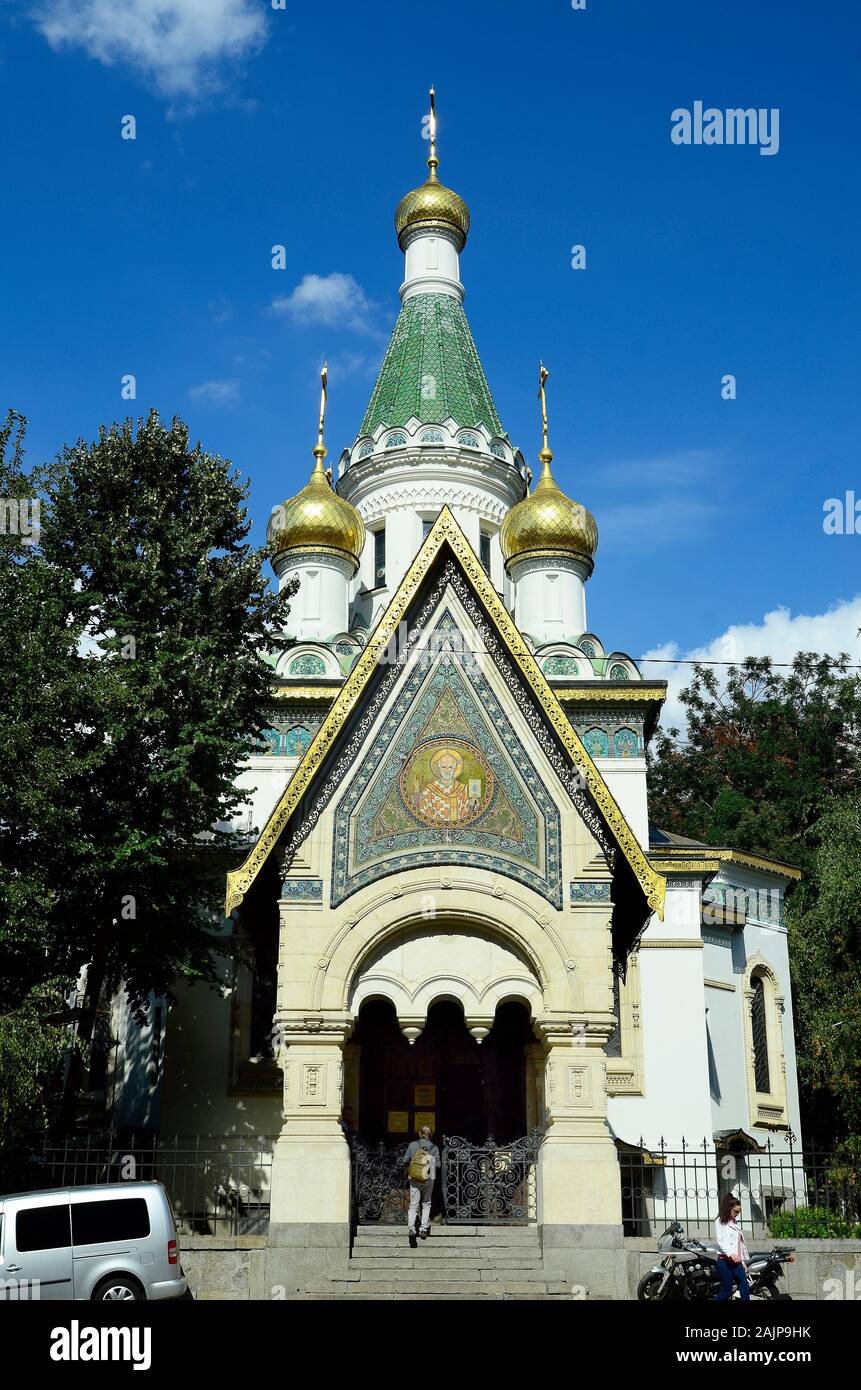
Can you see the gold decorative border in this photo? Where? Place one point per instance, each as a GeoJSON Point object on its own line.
{"type": "Point", "coordinates": [306, 692]}
{"type": "Point", "coordinates": [599, 694]}
{"type": "Point", "coordinates": [708, 860]}
{"type": "Point", "coordinates": [446, 530]}
{"type": "Point", "coordinates": [687, 866]}
{"type": "Point", "coordinates": [275, 550]}
{"type": "Point", "coordinates": [671, 943]}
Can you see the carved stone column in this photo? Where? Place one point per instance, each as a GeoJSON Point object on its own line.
{"type": "Point", "coordinates": [579, 1191]}
{"type": "Point", "coordinates": [311, 1162]}
{"type": "Point", "coordinates": [580, 1170]}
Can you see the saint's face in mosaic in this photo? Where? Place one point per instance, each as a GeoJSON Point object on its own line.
{"type": "Point", "coordinates": [447, 797]}
{"type": "Point", "coordinates": [446, 785]}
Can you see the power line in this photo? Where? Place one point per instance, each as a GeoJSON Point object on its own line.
{"type": "Point", "coordinates": [692, 661]}
{"type": "Point", "coordinates": [460, 648]}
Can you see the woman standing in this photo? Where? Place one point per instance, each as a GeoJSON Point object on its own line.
{"type": "Point", "coordinates": [733, 1257]}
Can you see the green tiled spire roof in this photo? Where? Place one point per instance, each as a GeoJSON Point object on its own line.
{"type": "Point", "coordinates": [431, 370]}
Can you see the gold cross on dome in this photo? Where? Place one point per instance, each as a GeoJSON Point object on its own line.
{"type": "Point", "coordinates": [324, 377]}
{"type": "Point", "coordinates": [542, 379]}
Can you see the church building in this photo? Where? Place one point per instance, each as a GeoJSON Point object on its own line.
{"type": "Point", "coordinates": [454, 910]}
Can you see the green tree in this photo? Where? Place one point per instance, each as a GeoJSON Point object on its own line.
{"type": "Point", "coordinates": [142, 681]}
{"type": "Point", "coordinates": [825, 938]}
{"type": "Point", "coordinates": [771, 764]}
{"type": "Point", "coordinates": [42, 701]}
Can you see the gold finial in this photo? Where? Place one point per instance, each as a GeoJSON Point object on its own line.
{"type": "Point", "coordinates": [545, 454]}
{"type": "Point", "coordinates": [433, 161]}
{"type": "Point", "coordinates": [320, 448]}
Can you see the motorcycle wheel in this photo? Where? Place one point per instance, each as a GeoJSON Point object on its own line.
{"type": "Point", "coordinates": [770, 1293]}
{"type": "Point", "coordinates": [650, 1290]}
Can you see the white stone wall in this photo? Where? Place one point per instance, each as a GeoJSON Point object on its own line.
{"type": "Point", "coordinates": [321, 606]}
{"type": "Point", "coordinates": [550, 602]}
{"type": "Point", "coordinates": [676, 1104]}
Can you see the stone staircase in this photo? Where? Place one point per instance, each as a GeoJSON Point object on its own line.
{"type": "Point", "coordinates": [455, 1262]}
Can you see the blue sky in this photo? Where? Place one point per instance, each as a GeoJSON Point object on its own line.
{"type": "Point", "coordinates": [258, 126]}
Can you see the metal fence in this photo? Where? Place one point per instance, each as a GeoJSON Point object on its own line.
{"type": "Point", "coordinates": [217, 1184]}
{"type": "Point", "coordinates": [481, 1184]}
{"type": "Point", "coordinates": [784, 1192]}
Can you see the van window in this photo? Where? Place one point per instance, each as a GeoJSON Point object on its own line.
{"type": "Point", "coordinates": [127, 1218]}
{"type": "Point", "coordinates": [42, 1228]}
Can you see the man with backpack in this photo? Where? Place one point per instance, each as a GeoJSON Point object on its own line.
{"type": "Point", "coordinates": [423, 1163]}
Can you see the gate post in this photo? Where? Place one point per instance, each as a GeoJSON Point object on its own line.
{"type": "Point", "coordinates": [309, 1226]}
{"type": "Point", "coordinates": [579, 1189]}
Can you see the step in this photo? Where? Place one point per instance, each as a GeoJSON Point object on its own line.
{"type": "Point", "coordinates": [436, 1238]}
{"type": "Point", "coordinates": [443, 1274]}
{"type": "Point", "coordinates": [441, 1279]}
{"type": "Point", "coordinates": [426, 1250]}
{"type": "Point", "coordinates": [330, 1293]}
{"type": "Point", "coordinates": [408, 1258]}
{"type": "Point", "coordinates": [382, 1288]}
{"type": "Point", "coordinates": [388, 1231]}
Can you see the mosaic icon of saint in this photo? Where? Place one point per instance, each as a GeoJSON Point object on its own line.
{"type": "Point", "coordinates": [446, 798]}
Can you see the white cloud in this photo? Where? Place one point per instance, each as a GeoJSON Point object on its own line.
{"type": "Point", "coordinates": [779, 635]}
{"type": "Point", "coordinates": [216, 392]}
{"type": "Point", "coordinates": [179, 44]}
{"type": "Point", "coordinates": [352, 364]}
{"type": "Point", "coordinates": [336, 301]}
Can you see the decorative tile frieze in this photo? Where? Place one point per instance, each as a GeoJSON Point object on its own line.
{"type": "Point", "coordinates": [302, 890]}
{"type": "Point", "coordinates": [584, 893]}
{"type": "Point", "coordinates": [612, 738]}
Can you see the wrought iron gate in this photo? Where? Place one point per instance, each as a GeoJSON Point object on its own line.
{"type": "Point", "coordinates": [380, 1186]}
{"type": "Point", "coordinates": [482, 1184]}
{"type": "Point", "coordinates": [490, 1184]}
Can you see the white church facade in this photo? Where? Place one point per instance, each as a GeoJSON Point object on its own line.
{"type": "Point", "coordinates": [454, 909]}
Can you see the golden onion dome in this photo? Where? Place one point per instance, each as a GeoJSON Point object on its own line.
{"type": "Point", "coordinates": [317, 519]}
{"type": "Point", "coordinates": [432, 205]}
{"type": "Point", "coordinates": [547, 523]}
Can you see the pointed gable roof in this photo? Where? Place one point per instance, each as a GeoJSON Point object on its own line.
{"type": "Point", "coordinates": [601, 809]}
{"type": "Point", "coordinates": [431, 371]}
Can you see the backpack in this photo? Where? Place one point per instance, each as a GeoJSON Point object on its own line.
{"type": "Point", "coordinates": [421, 1164]}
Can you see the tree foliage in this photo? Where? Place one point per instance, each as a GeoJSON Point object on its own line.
{"type": "Point", "coordinates": [136, 683]}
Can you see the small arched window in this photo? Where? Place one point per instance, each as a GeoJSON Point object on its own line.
{"type": "Point", "coordinates": [759, 1031]}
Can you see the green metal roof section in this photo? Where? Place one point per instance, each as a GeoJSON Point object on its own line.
{"type": "Point", "coordinates": [431, 370]}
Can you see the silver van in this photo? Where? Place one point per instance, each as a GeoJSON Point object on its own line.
{"type": "Point", "coordinates": [106, 1241]}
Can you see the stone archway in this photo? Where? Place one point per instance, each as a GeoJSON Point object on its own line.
{"type": "Point", "coordinates": [444, 1036]}
{"type": "Point", "coordinates": [462, 962]}
{"type": "Point", "coordinates": [445, 1079]}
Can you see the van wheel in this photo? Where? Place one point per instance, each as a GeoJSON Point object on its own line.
{"type": "Point", "coordinates": [118, 1289]}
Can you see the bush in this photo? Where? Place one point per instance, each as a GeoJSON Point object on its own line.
{"type": "Point", "coordinates": [813, 1223]}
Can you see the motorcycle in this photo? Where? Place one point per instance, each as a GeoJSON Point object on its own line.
{"type": "Point", "coordinates": [689, 1271]}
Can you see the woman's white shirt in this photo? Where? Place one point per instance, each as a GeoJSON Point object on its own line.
{"type": "Point", "coordinates": [730, 1239]}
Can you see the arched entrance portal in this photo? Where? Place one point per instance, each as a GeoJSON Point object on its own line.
{"type": "Point", "coordinates": [445, 1078]}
